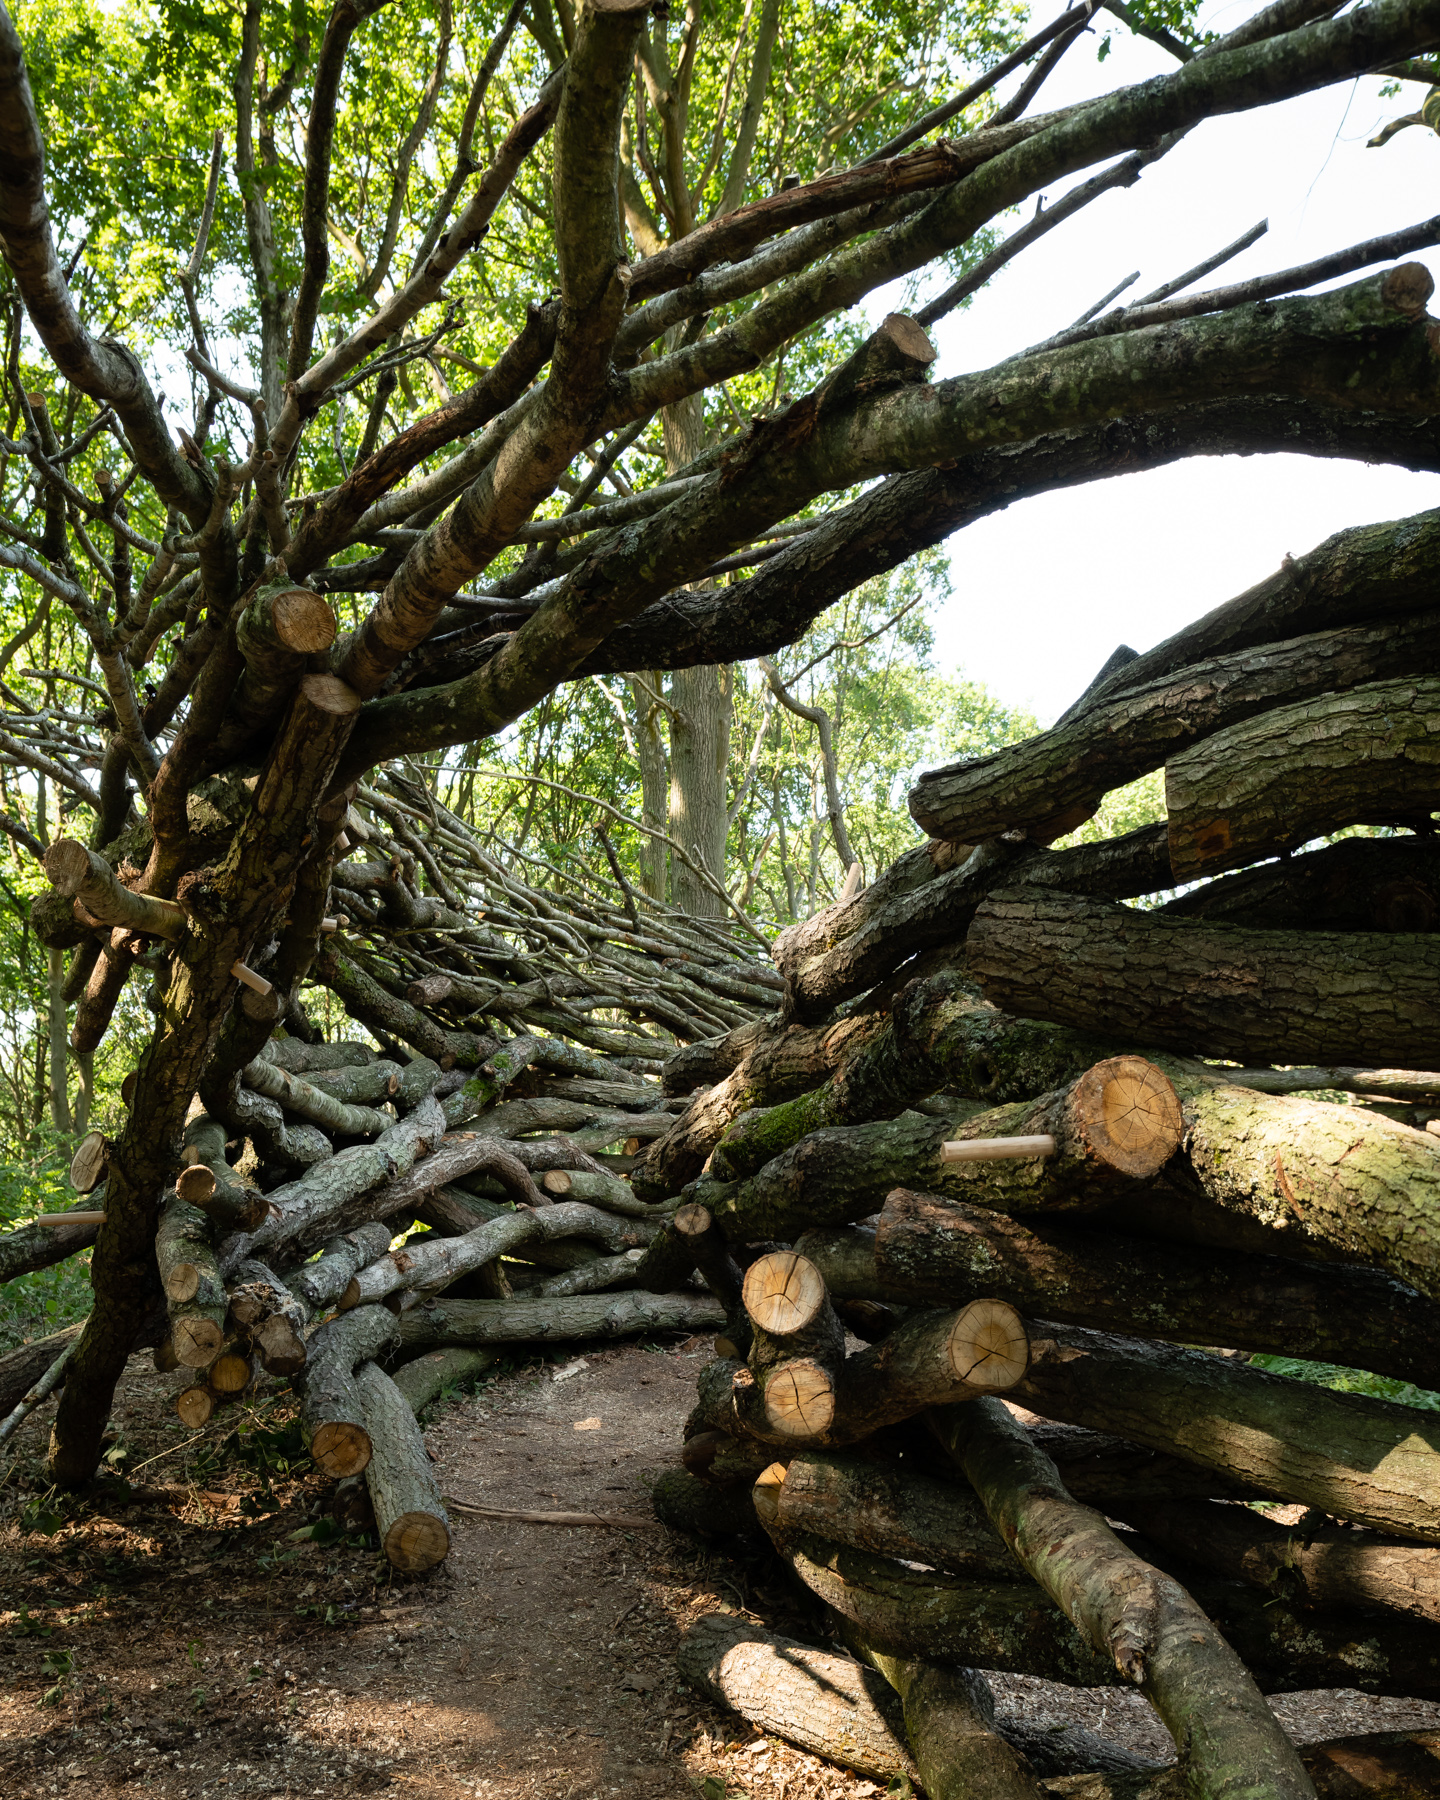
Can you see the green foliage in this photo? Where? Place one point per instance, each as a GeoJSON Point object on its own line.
{"type": "Point", "coordinates": [1350, 1381]}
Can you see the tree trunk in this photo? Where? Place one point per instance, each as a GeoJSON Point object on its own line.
{"type": "Point", "coordinates": [59, 1091]}
{"type": "Point", "coordinates": [1159, 1638]}
{"type": "Point", "coordinates": [410, 1516]}
{"type": "Point", "coordinates": [652, 855]}
{"type": "Point", "coordinates": [1367, 1460]}
{"type": "Point", "coordinates": [1366, 757]}
{"type": "Point", "coordinates": [1213, 989]}
{"type": "Point", "coordinates": [930, 1251]}
{"type": "Point", "coordinates": [701, 700]}
{"type": "Point", "coordinates": [555, 1321]}
{"type": "Point", "coordinates": [1052, 782]}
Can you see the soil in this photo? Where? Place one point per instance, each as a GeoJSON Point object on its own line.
{"type": "Point", "coordinates": [175, 1637]}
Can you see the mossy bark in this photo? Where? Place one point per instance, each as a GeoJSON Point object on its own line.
{"type": "Point", "coordinates": [1230, 1744]}
{"type": "Point", "coordinates": [934, 1251]}
{"type": "Point", "coordinates": [1359, 1458]}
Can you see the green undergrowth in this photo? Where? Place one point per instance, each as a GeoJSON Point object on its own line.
{"type": "Point", "coordinates": [46, 1300]}
{"type": "Point", "coordinates": [1350, 1381]}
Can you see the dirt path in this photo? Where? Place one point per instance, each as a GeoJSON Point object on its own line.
{"type": "Point", "coordinates": [173, 1648]}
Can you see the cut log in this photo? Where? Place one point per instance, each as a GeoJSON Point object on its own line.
{"type": "Point", "coordinates": [935, 914]}
{"type": "Point", "coordinates": [1115, 1126]}
{"type": "Point", "coordinates": [791, 1322]}
{"type": "Point", "coordinates": [1388, 1765]}
{"type": "Point", "coordinates": [929, 1360]}
{"type": "Point", "coordinates": [1159, 1639]}
{"type": "Point", "coordinates": [312, 1203]}
{"type": "Point", "coordinates": [875, 1504]}
{"type": "Point", "coordinates": [929, 1250]}
{"type": "Point", "coordinates": [303, 1059]}
{"type": "Point", "coordinates": [366, 1084]}
{"type": "Point", "coordinates": [429, 990]}
{"type": "Point", "coordinates": [682, 1503]}
{"type": "Point", "coordinates": [1369, 1460]}
{"type": "Point", "coordinates": [1009, 1626]}
{"type": "Point", "coordinates": [553, 1321]}
{"type": "Point", "coordinates": [1325, 1568]}
{"type": "Point", "coordinates": [434, 1264]}
{"type": "Point", "coordinates": [1366, 757]}
{"type": "Point", "coordinates": [1360, 884]}
{"type": "Point", "coordinates": [273, 1315]}
{"type": "Point", "coordinates": [1059, 777]}
{"type": "Point", "coordinates": [321, 1283]}
{"type": "Point", "coordinates": [232, 1370]}
{"type": "Point", "coordinates": [331, 1415]}
{"type": "Point", "coordinates": [86, 877]}
{"type": "Point", "coordinates": [436, 1372]}
{"type": "Point", "coordinates": [599, 1190]}
{"type": "Point", "coordinates": [191, 1281]}
{"type": "Point", "coordinates": [596, 1277]}
{"type": "Point", "coordinates": [39, 1245]}
{"type": "Point", "coordinates": [87, 1165]}
{"type": "Point", "coordinates": [410, 1516]}
{"type": "Point", "coordinates": [195, 1184]}
{"type": "Point", "coordinates": [1213, 989]}
{"type": "Point", "coordinates": [950, 1723]}
{"type": "Point", "coordinates": [1320, 1180]}
{"type": "Point", "coordinates": [724, 1461]}
{"type": "Point", "coordinates": [197, 1405]}
{"type": "Point", "coordinates": [297, 1095]}
{"type": "Point", "coordinates": [230, 1206]}
{"type": "Point", "coordinates": [812, 1698]}
{"type": "Point", "coordinates": [185, 1255]}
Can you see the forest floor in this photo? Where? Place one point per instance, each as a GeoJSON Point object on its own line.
{"type": "Point", "coordinates": [200, 1631]}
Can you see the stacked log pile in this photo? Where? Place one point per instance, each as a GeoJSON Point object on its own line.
{"type": "Point", "coordinates": [506, 1085]}
{"type": "Point", "coordinates": [1144, 1144]}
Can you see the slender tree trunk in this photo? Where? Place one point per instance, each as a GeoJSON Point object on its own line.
{"type": "Point", "coordinates": [654, 780]}
{"type": "Point", "coordinates": [699, 758]}
{"type": "Point", "coordinates": [699, 725]}
{"type": "Point", "coordinates": [59, 1100]}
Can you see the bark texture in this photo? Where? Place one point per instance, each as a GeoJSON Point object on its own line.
{"type": "Point", "coordinates": [1220, 990]}
{"type": "Point", "coordinates": [1366, 757]}
{"type": "Point", "coordinates": [1227, 1737]}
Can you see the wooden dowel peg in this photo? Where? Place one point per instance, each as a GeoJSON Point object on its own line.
{"type": "Point", "coordinates": [256, 983]}
{"type": "Point", "coordinates": [331, 924]}
{"type": "Point", "coordinates": [995, 1149]}
{"type": "Point", "coordinates": [54, 1220]}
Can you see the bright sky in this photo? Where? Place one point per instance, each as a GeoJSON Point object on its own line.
{"type": "Point", "coordinates": [1046, 590]}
